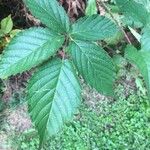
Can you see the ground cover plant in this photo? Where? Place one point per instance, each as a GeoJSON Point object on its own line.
{"type": "Point", "coordinates": [120, 124]}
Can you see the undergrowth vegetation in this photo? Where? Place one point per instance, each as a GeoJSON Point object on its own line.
{"type": "Point", "coordinates": [120, 124]}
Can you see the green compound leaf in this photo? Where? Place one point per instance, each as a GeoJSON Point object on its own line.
{"type": "Point", "coordinates": [136, 11]}
{"type": "Point", "coordinates": [91, 8]}
{"type": "Point", "coordinates": [145, 40]}
{"type": "Point", "coordinates": [28, 49]}
{"type": "Point", "coordinates": [50, 13]}
{"type": "Point", "coordinates": [141, 60]}
{"type": "Point", "coordinates": [94, 64]}
{"type": "Point", "coordinates": [54, 94]}
{"type": "Point", "coordinates": [93, 27]}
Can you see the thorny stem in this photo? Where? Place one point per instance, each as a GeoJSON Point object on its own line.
{"type": "Point", "coordinates": [121, 28]}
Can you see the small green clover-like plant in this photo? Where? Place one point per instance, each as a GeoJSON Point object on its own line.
{"type": "Point", "coordinates": [61, 51]}
{"type": "Point", "coordinates": [6, 26]}
{"type": "Point", "coordinates": [6, 31]}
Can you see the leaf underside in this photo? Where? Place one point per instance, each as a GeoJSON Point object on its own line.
{"type": "Point", "coordinates": [93, 27]}
{"type": "Point", "coordinates": [50, 13]}
{"type": "Point", "coordinates": [94, 64]}
{"type": "Point", "coordinates": [28, 49]}
{"type": "Point", "coordinates": [54, 94]}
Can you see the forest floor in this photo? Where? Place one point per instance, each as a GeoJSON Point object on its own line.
{"type": "Point", "coordinates": [101, 122]}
